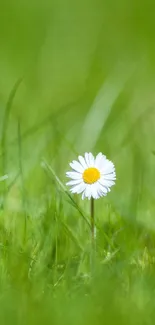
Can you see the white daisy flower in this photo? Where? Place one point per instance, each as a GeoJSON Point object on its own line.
{"type": "Point", "coordinates": [91, 176]}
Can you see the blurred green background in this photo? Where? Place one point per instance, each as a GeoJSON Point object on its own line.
{"type": "Point", "coordinates": [76, 76]}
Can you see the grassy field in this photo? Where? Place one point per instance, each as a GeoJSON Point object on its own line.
{"type": "Point", "coordinates": [76, 76]}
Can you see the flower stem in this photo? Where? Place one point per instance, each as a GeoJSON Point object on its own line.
{"type": "Point", "coordinates": [92, 257]}
{"type": "Point", "coordinates": [92, 222]}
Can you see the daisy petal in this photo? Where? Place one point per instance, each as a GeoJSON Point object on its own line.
{"type": "Point", "coordinates": [109, 177]}
{"type": "Point", "coordinates": [109, 183]}
{"type": "Point", "coordinates": [78, 188]}
{"type": "Point", "coordinates": [74, 175]}
{"type": "Point", "coordinates": [107, 167]}
{"type": "Point", "coordinates": [83, 195]}
{"type": "Point", "coordinates": [87, 159]}
{"type": "Point", "coordinates": [77, 166]}
{"type": "Point", "coordinates": [88, 191]}
{"type": "Point", "coordinates": [91, 160]}
{"type": "Point", "coordinates": [98, 159]}
{"type": "Point", "coordinates": [106, 183]}
{"type": "Point", "coordinates": [103, 189]}
{"type": "Point", "coordinates": [94, 191]}
{"type": "Point", "coordinates": [101, 164]}
{"type": "Point", "coordinates": [82, 162]}
{"type": "Point", "coordinates": [100, 193]}
{"type": "Point", "coordinates": [74, 182]}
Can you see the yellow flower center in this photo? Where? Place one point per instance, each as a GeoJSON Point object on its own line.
{"type": "Point", "coordinates": [91, 175]}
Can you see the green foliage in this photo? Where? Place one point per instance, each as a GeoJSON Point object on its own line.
{"type": "Point", "coordinates": [76, 76]}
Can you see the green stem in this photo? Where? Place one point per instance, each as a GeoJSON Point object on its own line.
{"type": "Point", "coordinates": [92, 234]}
{"type": "Point", "coordinates": [92, 222]}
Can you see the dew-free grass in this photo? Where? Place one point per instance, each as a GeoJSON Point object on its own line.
{"type": "Point", "coordinates": [76, 77]}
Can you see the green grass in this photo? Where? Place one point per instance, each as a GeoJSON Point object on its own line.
{"type": "Point", "coordinates": [76, 76]}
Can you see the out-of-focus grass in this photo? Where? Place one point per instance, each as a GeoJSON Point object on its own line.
{"type": "Point", "coordinates": [76, 77]}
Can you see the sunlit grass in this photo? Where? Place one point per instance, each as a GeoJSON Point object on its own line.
{"type": "Point", "coordinates": [76, 77]}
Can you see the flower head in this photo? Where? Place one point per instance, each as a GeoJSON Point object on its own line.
{"type": "Point", "coordinates": [91, 176]}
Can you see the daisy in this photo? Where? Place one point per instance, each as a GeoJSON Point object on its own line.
{"type": "Point", "coordinates": [91, 176]}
